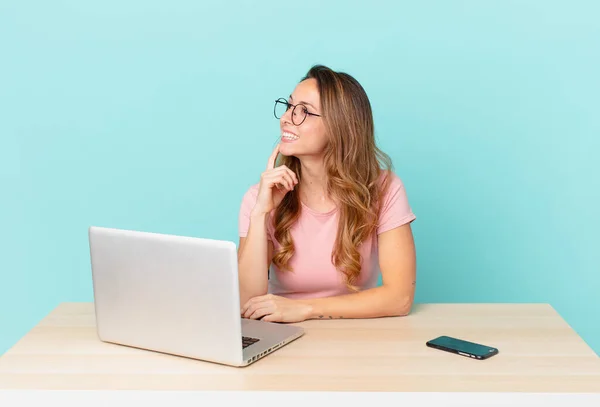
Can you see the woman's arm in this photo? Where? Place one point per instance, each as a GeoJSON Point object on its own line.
{"type": "Point", "coordinates": [255, 251]}
{"type": "Point", "coordinates": [254, 257]}
{"type": "Point", "coordinates": [397, 260]}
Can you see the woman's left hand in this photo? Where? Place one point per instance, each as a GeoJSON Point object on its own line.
{"type": "Point", "coordinates": [273, 308]}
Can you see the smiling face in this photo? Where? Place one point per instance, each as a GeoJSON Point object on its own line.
{"type": "Point", "coordinates": [309, 138]}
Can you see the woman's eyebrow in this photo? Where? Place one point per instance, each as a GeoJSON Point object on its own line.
{"type": "Point", "coordinates": [306, 103]}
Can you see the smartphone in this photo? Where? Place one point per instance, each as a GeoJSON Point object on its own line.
{"type": "Point", "coordinates": [462, 347]}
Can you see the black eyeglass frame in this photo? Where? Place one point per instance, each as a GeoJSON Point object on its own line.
{"type": "Point", "coordinates": [288, 104]}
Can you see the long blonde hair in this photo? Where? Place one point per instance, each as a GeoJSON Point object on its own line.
{"type": "Point", "coordinates": [353, 167]}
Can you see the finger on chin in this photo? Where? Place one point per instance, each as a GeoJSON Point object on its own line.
{"type": "Point", "coordinates": [273, 157]}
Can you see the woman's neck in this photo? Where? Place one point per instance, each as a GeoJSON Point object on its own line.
{"type": "Point", "coordinates": [313, 176]}
{"type": "Point", "coordinates": [313, 185]}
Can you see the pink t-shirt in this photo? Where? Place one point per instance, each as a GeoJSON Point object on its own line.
{"type": "Point", "coordinates": [314, 234]}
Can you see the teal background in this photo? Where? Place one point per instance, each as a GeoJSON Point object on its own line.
{"type": "Point", "coordinates": [157, 116]}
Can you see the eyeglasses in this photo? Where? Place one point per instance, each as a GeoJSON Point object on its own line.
{"type": "Point", "coordinates": [299, 112]}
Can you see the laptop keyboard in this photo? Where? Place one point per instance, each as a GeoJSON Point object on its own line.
{"type": "Point", "coordinates": [247, 341]}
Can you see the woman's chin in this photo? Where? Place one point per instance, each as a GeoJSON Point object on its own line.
{"type": "Point", "coordinates": [285, 148]}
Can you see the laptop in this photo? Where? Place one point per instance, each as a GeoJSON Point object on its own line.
{"type": "Point", "coordinates": [176, 295]}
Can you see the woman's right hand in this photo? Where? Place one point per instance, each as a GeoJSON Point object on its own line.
{"type": "Point", "coordinates": [275, 183]}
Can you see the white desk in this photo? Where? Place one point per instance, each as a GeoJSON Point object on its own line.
{"type": "Point", "coordinates": [539, 353]}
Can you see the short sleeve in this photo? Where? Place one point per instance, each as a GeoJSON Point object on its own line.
{"type": "Point", "coordinates": [396, 210]}
{"type": "Point", "coordinates": [248, 202]}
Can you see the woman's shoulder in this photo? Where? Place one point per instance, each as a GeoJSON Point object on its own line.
{"type": "Point", "coordinates": [251, 192]}
{"type": "Point", "coordinates": [392, 189]}
{"type": "Point", "coordinates": [249, 199]}
{"type": "Point", "coordinates": [395, 208]}
{"type": "Point", "coordinates": [392, 178]}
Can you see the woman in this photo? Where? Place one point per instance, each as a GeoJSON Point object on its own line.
{"type": "Point", "coordinates": [326, 220]}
